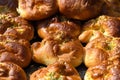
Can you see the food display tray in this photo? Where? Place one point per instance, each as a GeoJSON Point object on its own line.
{"type": "Point", "coordinates": [35, 66]}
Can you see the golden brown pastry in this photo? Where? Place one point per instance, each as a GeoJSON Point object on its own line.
{"type": "Point", "coordinates": [100, 49]}
{"type": "Point", "coordinates": [89, 35]}
{"type": "Point", "coordinates": [52, 49]}
{"type": "Point", "coordinates": [107, 70]}
{"type": "Point", "coordinates": [11, 71]}
{"type": "Point", "coordinates": [15, 50]}
{"type": "Point", "coordinates": [56, 71]}
{"type": "Point", "coordinates": [15, 26]}
{"type": "Point", "coordinates": [111, 8]}
{"type": "Point", "coordinates": [103, 25]}
{"type": "Point", "coordinates": [37, 9]}
{"type": "Point", "coordinates": [94, 56]}
{"type": "Point", "coordinates": [53, 27]}
{"type": "Point", "coordinates": [80, 9]}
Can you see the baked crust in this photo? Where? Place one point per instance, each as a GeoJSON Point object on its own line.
{"type": "Point", "coordinates": [80, 9]}
{"type": "Point", "coordinates": [58, 70]}
{"type": "Point", "coordinates": [53, 27]}
{"type": "Point", "coordinates": [15, 50]}
{"type": "Point", "coordinates": [11, 71]}
{"type": "Point", "coordinates": [51, 50]}
{"type": "Point", "coordinates": [107, 70]}
{"type": "Point", "coordinates": [37, 9]}
{"type": "Point", "coordinates": [103, 25]}
{"type": "Point", "coordinates": [60, 41]}
{"type": "Point", "coordinates": [16, 26]}
{"type": "Point", "coordinates": [100, 49]}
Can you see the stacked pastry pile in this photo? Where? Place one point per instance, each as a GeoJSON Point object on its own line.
{"type": "Point", "coordinates": [63, 27]}
{"type": "Point", "coordinates": [15, 48]}
{"type": "Point", "coordinates": [102, 51]}
{"type": "Point", "coordinates": [59, 45]}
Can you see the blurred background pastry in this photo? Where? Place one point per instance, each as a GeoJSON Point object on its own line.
{"type": "Point", "coordinates": [10, 4]}
{"type": "Point", "coordinates": [111, 8]}
{"type": "Point", "coordinates": [37, 9]}
{"type": "Point", "coordinates": [80, 9]}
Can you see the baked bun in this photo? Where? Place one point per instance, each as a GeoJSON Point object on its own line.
{"type": "Point", "coordinates": [15, 26]}
{"type": "Point", "coordinates": [15, 50]}
{"type": "Point", "coordinates": [37, 9]}
{"type": "Point", "coordinates": [80, 9]}
{"type": "Point", "coordinates": [53, 27]}
{"type": "Point", "coordinates": [107, 70]}
{"type": "Point", "coordinates": [106, 25]}
{"type": "Point", "coordinates": [111, 8]}
{"type": "Point", "coordinates": [100, 49]}
{"type": "Point", "coordinates": [51, 50]}
{"type": "Point", "coordinates": [11, 71]}
{"type": "Point", "coordinates": [56, 71]}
